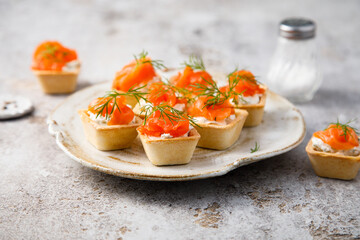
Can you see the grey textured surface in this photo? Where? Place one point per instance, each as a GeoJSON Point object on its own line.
{"type": "Point", "coordinates": [46, 195]}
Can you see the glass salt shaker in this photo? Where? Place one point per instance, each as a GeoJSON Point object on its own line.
{"type": "Point", "coordinates": [294, 71]}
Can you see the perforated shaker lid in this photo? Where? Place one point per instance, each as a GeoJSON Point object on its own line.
{"type": "Point", "coordinates": [297, 28]}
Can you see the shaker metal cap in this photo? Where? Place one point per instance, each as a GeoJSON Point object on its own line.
{"type": "Point", "coordinates": [297, 28]}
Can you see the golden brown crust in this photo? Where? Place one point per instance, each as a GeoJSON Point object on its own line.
{"type": "Point", "coordinates": [220, 137]}
{"type": "Point", "coordinates": [172, 151]}
{"type": "Point", "coordinates": [130, 100]}
{"type": "Point", "coordinates": [105, 137]}
{"type": "Point", "coordinates": [256, 111]}
{"type": "Point", "coordinates": [55, 82]}
{"type": "Point", "coordinates": [137, 111]}
{"type": "Point", "coordinates": [333, 165]}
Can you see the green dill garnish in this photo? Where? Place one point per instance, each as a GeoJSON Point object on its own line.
{"type": "Point", "coordinates": [166, 112]}
{"type": "Point", "coordinates": [140, 59]}
{"type": "Point", "coordinates": [232, 93]}
{"type": "Point", "coordinates": [256, 148]}
{"type": "Point", "coordinates": [112, 95]}
{"type": "Point", "coordinates": [344, 127]}
{"type": "Point", "coordinates": [196, 63]}
{"type": "Point", "coordinates": [213, 93]}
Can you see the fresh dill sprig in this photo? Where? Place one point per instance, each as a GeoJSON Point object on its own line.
{"type": "Point", "coordinates": [232, 84]}
{"type": "Point", "coordinates": [166, 112]}
{"type": "Point", "coordinates": [345, 127]}
{"type": "Point", "coordinates": [112, 95]}
{"type": "Point", "coordinates": [256, 148]}
{"type": "Point", "coordinates": [232, 73]}
{"type": "Point", "coordinates": [213, 93]}
{"type": "Point", "coordinates": [196, 63]}
{"type": "Point", "coordinates": [157, 64]}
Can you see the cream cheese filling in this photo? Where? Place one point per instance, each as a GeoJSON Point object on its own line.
{"type": "Point", "coordinates": [204, 120]}
{"type": "Point", "coordinates": [103, 120]}
{"type": "Point", "coordinates": [319, 145]}
{"type": "Point", "coordinates": [71, 66]}
{"type": "Point", "coordinates": [169, 136]}
{"type": "Point", "coordinates": [99, 119]}
{"type": "Point", "coordinates": [144, 105]}
{"type": "Point", "coordinates": [249, 100]}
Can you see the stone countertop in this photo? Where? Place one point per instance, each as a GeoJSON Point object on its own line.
{"type": "Point", "coordinates": [44, 194]}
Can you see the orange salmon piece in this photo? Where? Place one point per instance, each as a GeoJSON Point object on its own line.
{"type": "Point", "coordinates": [134, 74]}
{"type": "Point", "coordinates": [156, 126]}
{"type": "Point", "coordinates": [212, 113]}
{"type": "Point", "coordinates": [334, 136]}
{"type": "Point", "coordinates": [52, 56]}
{"type": "Point", "coordinates": [121, 115]}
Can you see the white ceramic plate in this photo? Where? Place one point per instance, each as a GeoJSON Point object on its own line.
{"type": "Point", "coordinates": [283, 129]}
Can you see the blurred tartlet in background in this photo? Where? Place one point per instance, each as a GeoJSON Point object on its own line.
{"type": "Point", "coordinates": [56, 67]}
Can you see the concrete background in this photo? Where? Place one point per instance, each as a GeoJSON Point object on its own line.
{"type": "Point", "coordinates": [46, 195]}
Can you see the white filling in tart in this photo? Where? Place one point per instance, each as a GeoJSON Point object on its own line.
{"type": "Point", "coordinates": [319, 145]}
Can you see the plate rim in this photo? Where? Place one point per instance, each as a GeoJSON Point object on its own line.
{"type": "Point", "coordinates": [54, 130]}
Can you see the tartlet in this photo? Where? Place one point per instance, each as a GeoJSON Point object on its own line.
{"type": "Point", "coordinates": [243, 86]}
{"type": "Point", "coordinates": [173, 151]}
{"type": "Point", "coordinates": [112, 137]}
{"type": "Point", "coordinates": [220, 137]}
{"type": "Point", "coordinates": [109, 124]}
{"type": "Point", "coordinates": [335, 152]}
{"type": "Point", "coordinates": [333, 165]}
{"type": "Point", "coordinates": [56, 67]}
{"type": "Point", "coordinates": [167, 137]}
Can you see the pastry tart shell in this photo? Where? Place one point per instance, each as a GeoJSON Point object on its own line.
{"type": "Point", "coordinates": [172, 151]}
{"type": "Point", "coordinates": [55, 82]}
{"type": "Point", "coordinates": [220, 137]}
{"type": "Point", "coordinates": [105, 137]}
{"type": "Point", "coordinates": [137, 111]}
{"type": "Point", "coordinates": [256, 111]}
{"type": "Point", "coordinates": [333, 165]}
{"type": "Point", "coordinates": [130, 100]}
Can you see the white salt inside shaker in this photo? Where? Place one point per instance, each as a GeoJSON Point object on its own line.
{"type": "Point", "coordinates": [294, 71]}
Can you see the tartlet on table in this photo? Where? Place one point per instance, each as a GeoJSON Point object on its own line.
{"type": "Point", "coordinates": [335, 152]}
{"type": "Point", "coordinates": [56, 67]}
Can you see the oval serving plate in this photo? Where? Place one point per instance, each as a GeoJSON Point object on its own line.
{"type": "Point", "coordinates": [283, 129]}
